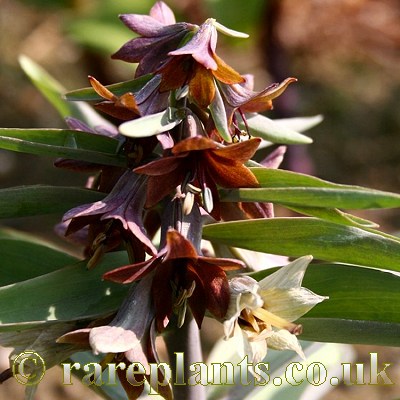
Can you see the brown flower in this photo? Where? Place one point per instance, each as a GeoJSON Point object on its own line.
{"type": "Point", "coordinates": [204, 164]}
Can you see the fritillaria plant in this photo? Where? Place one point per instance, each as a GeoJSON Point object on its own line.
{"type": "Point", "coordinates": [174, 167]}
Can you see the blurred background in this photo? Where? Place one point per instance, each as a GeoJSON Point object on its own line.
{"type": "Point", "coordinates": [345, 54]}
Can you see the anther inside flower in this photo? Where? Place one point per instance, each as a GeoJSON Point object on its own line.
{"type": "Point", "coordinates": [261, 314]}
{"type": "Point", "coordinates": [181, 277]}
{"type": "Point", "coordinates": [208, 164]}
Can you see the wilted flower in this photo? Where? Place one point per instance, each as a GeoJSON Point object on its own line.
{"type": "Point", "coordinates": [129, 337]}
{"type": "Point", "coordinates": [182, 277]}
{"type": "Point", "coordinates": [261, 314]}
{"type": "Point", "coordinates": [204, 164]}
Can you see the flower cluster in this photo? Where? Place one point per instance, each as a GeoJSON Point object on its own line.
{"type": "Point", "coordinates": [183, 131]}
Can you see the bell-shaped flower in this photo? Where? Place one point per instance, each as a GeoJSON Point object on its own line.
{"type": "Point", "coordinates": [181, 278]}
{"type": "Point", "coordinates": [204, 164]}
{"type": "Point", "coordinates": [197, 65]}
{"type": "Point", "coordinates": [159, 34]}
{"type": "Point", "coordinates": [261, 314]}
{"type": "Point", "coordinates": [122, 207]}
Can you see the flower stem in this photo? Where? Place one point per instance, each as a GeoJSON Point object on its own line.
{"type": "Point", "coordinates": [185, 340]}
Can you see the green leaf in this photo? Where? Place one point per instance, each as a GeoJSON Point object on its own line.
{"type": "Point", "coordinates": [151, 125]}
{"type": "Point", "coordinates": [292, 189]}
{"type": "Point", "coordinates": [267, 129]}
{"type": "Point", "coordinates": [23, 201]}
{"type": "Point", "coordinates": [297, 237]}
{"type": "Point", "coordinates": [89, 94]}
{"type": "Point", "coordinates": [66, 143]}
{"type": "Point", "coordinates": [22, 260]}
{"type": "Point", "coordinates": [334, 215]}
{"type": "Point", "coordinates": [53, 91]}
{"type": "Point", "coordinates": [70, 293]}
{"type": "Point", "coordinates": [350, 331]}
{"type": "Point", "coordinates": [354, 293]}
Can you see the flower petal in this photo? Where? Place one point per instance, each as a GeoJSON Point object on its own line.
{"type": "Point", "coordinates": [162, 13]}
{"type": "Point", "coordinates": [130, 325]}
{"type": "Point", "coordinates": [284, 340]}
{"type": "Point", "coordinates": [179, 247]}
{"type": "Point", "coordinates": [194, 143]}
{"type": "Point", "coordinates": [201, 46]}
{"type": "Point", "coordinates": [202, 87]}
{"type": "Point", "coordinates": [230, 174]}
{"type": "Point", "coordinates": [144, 25]}
{"type": "Point", "coordinates": [240, 152]}
{"type": "Point", "coordinates": [226, 73]}
{"type": "Point", "coordinates": [290, 304]}
{"type": "Point", "coordinates": [131, 273]}
{"type": "Point", "coordinates": [287, 277]}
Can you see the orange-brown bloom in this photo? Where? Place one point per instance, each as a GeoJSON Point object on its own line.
{"type": "Point", "coordinates": [204, 164]}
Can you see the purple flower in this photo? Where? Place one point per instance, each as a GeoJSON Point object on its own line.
{"type": "Point", "coordinates": [115, 218]}
{"type": "Point", "coordinates": [159, 34]}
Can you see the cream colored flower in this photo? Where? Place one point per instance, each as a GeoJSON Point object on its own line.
{"type": "Point", "coordinates": [261, 314]}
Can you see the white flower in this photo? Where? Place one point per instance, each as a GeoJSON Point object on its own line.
{"type": "Point", "coordinates": [261, 314]}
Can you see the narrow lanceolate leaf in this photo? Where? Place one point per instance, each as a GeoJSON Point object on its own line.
{"type": "Point", "coordinates": [66, 143]}
{"type": "Point", "coordinates": [267, 129]}
{"type": "Point", "coordinates": [67, 294]}
{"type": "Point", "coordinates": [296, 189]}
{"type": "Point", "coordinates": [22, 260]}
{"type": "Point", "coordinates": [301, 236]}
{"type": "Point", "coordinates": [24, 201]}
{"type": "Point", "coordinates": [151, 125]}
{"type": "Point", "coordinates": [334, 215]}
{"type": "Point", "coordinates": [118, 89]}
{"type": "Point", "coordinates": [344, 197]}
{"type": "Point", "coordinates": [53, 91]}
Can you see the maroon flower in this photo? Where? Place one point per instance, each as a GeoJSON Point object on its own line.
{"type": "Point", "coordinates": [182, 277]}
